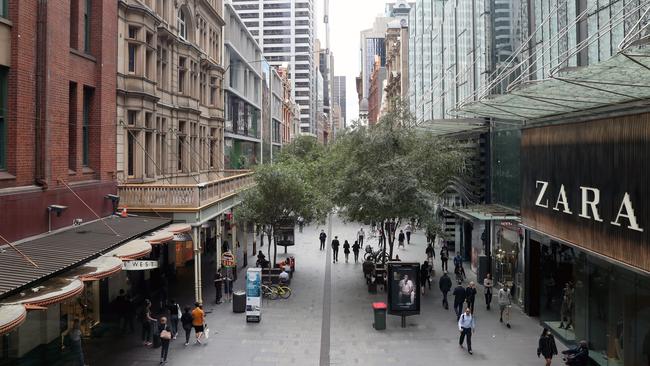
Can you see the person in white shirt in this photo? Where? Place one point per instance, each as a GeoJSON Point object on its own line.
{"type": "Point", "coordinates": [505, 303]}
{"type": "Point", "coordinates": [284, 276]}
{"type": "Point", "coordinates": [466, 326]}
{"type": "Point", "coordinates": [408, 230]}
{"type": "Point", "coordinates": [406, 290]}
{"type": "Point", "coordinates": [360, 235]}
{"type": "Point", "coordinates": [487, 284]}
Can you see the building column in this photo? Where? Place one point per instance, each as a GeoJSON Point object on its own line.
{"type": "Point", "coordinates": [254, 239]}
{"type": "Point", "coordinates": [245, 230]}
{"type": "Point", "coordinates": [198, 295]}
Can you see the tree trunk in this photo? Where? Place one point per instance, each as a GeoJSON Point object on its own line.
{"type": "Point", "coordinates": [275, 248]}
{"type": "Point", "coordinates": [269, 244]}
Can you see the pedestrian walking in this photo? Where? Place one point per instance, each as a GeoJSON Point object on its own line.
{"type": "Point", "coordinates": [459, 271]}
{"type": "Point", "coordinates": [458, 261]}
{"type": "Point", "coordinates": [322, 237]}
{"type": "Point", "coordinates": [459, 299]}
{"type": "Point", "coordinates": [165, 333]}
{"type": "Point", "coordinates": [198, 321]}
{"type": "Point", "coordinates": [147, 322]}
{"type": "Point", "coordinates": [470, 295]}
{"type": "Point", "coordinates": [445, 287]}
{"type": "Point", "coordinates": [505, 303]}
{"type": "Point", "coordinates": [355, 249]}
{"type": "Point", "coordinates": [487, 286]}
{"type": "Point", "coordinates": [400, 239]}
{"type": "Point", "coordinates": [431, 254]}
{"type": "Point", "coordinates": [218, 286]}
{"type": "Point", "coordinates": [74, 334]}
{"type": "Point", "coordinates": [360, 235]}
{"type": "Point", "coordinates": [301, 223]}
{"type": "Point", "coordinates": [186, 322]}
{"type": "Point", "coordinates": [346, 250]}
{"type": "Point", "coordinates": [174, 316]}
{"type": "Point", "coordinates": [424, 275]}
{"type": "Point", "coordinates": [546, 346]}
{"type": "Point", "coordinates": [228, 284]}
{"type": "Point", "coordinates": [408, 228]}
{"type": "Point", "coordinates": [466, 326]}
{"type": "Point", "coordinates": [335, 249]}
{"type": "Point", "coordinates": [444, 257]}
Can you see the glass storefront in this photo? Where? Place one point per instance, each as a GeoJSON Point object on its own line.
{"type": "Point", "coordinates": [584, 297]}
{"type": "Point", "coordinates": [508, 258]}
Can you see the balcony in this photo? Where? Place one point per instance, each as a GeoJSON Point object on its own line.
{"type": "Point", "coordinates": [183, 197]}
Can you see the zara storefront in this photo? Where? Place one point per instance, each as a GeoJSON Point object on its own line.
{"type": "Point", "coordinates": [586, 208]}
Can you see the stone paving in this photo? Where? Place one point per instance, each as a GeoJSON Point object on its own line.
{"type": "Point", "coordinates": [290, 332]}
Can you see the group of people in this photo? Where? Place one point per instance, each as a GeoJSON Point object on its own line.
{"type": "Point", "coordinates": [347, 248]}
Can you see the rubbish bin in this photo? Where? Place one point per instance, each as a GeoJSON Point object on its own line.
{"type": "Point", "coordinates": [238, 302]}
{"type": "Point", "coordinates": [380, 315]}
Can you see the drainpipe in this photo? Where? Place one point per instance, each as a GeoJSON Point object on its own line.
{"type": "Point", "coordinates": [41, 127]}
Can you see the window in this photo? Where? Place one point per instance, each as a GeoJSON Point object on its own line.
{"type": "Point", "coordinates": [4, 9]}
{"type": "Point", "coordinates": [85, 129]}
{"type": "Point", "coordinates": [133, 32]}
{"type": "Point", "coordinates": [88, 3]}
{"type": "Point", "coordinates": [72, 126]}
{"type": "Point", "coordinates": [213, 91]}
{"type": "Point", "coordinates": [132, 117]}
{"type": "Point", "coordinates": [132, 54]}
{"type": "Point", "coordinates": [130, 162]}
{"type": "Point", "coordinates": [74, 23]}
{"type": "Point", "coordinates": [3, 116]}
{"type": "Point", "coordinates": [181, 74]}
{"type": "Point", "coordinates": [180, 24]}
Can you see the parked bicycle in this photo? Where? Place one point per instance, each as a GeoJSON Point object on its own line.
{"type": "Point", "coordinates": [377, 257]}
{"type": "Point", "coordinates": [276, 291]}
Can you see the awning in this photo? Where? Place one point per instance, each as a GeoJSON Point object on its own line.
{"type": "Point", "coordinates": [52, 291]}
{"type": "Point", "coordinates": [487, 212]}
{"type": "Point", "coordinates": [181, 232]}
{"type": "Point", "coordinates": [11, 316]}
{"type": "Point", "coordinates": [442, 127]}
{"type": "Point", "coordinates": [62, 251]}
{"type": "Point", "coordinates": [97, 268]}
{"type": "Point", "coordinates": [160, 237]}
{"type": "Point", "coordinates": [622, 78]}
{"type": "Point", "coordinates": [132, 250]}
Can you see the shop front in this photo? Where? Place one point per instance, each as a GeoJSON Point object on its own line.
{"type": "Point", "coordinates": [586, 209]}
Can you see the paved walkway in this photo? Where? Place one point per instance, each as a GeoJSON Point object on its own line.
{"type": "Point", "coordinates": [305, 330]}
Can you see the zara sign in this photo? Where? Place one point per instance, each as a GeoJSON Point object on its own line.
{"type": "Point", "coordinates": [588, 185]}
{"type": "Point", "coordinates": [589, 200]}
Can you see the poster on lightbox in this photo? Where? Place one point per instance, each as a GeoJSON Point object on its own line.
{"type": "Point", "coordinates": [403, 288]}
{"type": "Point", "coordinates": [253, 294]}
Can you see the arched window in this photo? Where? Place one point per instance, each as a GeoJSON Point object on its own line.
{"type": "Point", "coordinates": [180, 24]}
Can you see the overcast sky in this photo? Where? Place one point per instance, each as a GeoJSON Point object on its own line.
{"type": "Point", "coordinates": [347, 19]}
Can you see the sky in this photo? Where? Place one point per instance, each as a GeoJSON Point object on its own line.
{"type": "Point", "coordinates": [347, 19]}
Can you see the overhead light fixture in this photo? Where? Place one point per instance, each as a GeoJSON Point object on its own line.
{"type": "Point", "coordinates": [115, 201]}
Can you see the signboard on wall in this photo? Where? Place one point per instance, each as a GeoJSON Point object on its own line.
{"type": "Point", "coordinates": [403, 288]}
{"type": "Point", "coordinates": [586, 184]}
{"type": "Point", "coordinates": [139, 265]}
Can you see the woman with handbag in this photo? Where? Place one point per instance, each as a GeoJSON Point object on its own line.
{"type": "Point", "coordinates": [165, 332]}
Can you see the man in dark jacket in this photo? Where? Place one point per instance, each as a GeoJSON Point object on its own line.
{"type": "Point", "coordinates": [445, 286]}
{"type": "Point", "coordinates": [335, 248]}
{"type": "Point", "coordinates": [322, 238]}
{"type": "Point", "coordinates": [470, 296]}
{"type": "Point", "coordinates": [400, 239]}
{"type": "Point", "coordinates": [444, 257]}
{"type": "Point", "coordinates": [459, 299]}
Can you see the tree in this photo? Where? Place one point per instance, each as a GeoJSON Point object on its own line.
{"type": "Point", "coordinates": [390, 171]}
{"type": "Point", "coordinates": [284, 190]}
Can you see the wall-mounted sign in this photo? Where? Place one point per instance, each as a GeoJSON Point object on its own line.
{"type": "Point", "coordinates": [585, 183]}
{"type": "Point", "coordinates": [139, 265]}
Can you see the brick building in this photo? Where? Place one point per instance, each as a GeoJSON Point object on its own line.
{"type": "Point", "coordinates": [377, 78]}
{"type": "Point", "coordinates": [57, 112]}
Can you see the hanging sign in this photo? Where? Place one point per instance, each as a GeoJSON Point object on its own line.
{"type": "Point", "coordinates": [228, 259]}
{"type": "Point", "coordinates": [139, 265]}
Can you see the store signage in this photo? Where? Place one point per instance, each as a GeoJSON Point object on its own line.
{"type": "Point", "coordinates": [228, 259]}
{"type": "Point", "coordinates": [585, 184]}
{"type": "Point", "coordinates": [139, 265]}
{"type": "Point", "coordinates": [589, 201]}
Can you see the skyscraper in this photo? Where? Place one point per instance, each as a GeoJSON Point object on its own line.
{"type": "Point", "coordinates": [338, 96]}
{"type": "Point", "coordinates": [285, 30]}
